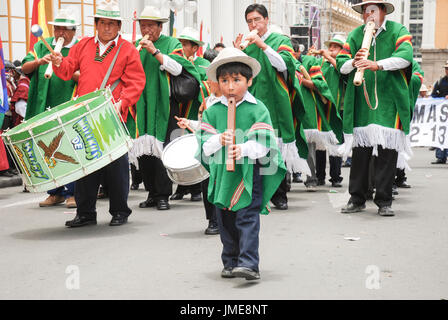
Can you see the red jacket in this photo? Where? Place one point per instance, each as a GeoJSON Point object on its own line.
{"type": "Point", "coordinates": [128, 68]}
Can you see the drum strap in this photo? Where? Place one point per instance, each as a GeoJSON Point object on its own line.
{"type": "Point", "coordinates": [109, 71]}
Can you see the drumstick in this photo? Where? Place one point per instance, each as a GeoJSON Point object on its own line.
{"type": "Point", "coordinates": [58, 48]}
{"type": "Point", "coordinates": [37, 31]}
{"type": "Point", "coordinates": [145, 37]}
{"type": "Point", "coordinates": [231, 119]}
{"type": "Point", "coordinates": [366, 43]}
{"type": "Point", "coordinates": [188, 127]}
{"type": "Point", "coordinates": [246, 42]}
{"type": "Point", "coordinates": [307, 77]}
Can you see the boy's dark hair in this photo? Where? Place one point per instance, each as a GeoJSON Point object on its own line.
{"type": "Point", "coordinates": [210, 55]}
{"type": "Point", "coordinates": [219, 45]}
{"type": "Point", "coordinates": [261, 9]}
{"type": "Point", "coordinates": [232, 68]}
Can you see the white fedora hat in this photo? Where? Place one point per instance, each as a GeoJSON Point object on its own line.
{"type": "Point", "coordinates": [152, 13]}
{"type": "Point", "coordinates": [338, 39]}
{"type": "Point", "coordinates": [108, 9]}
{"type": "Point", "coordinates": [423, 88]}
{"type": "Point", "coordinates": [446, 64]}
{"type": "Point", "coordinates": [228, 55]}
{"type": "Point", "coordinates": [389, 6]}
{"type": "Point", "coordinates": [64, 19]}
{"type": "Point", "coordinates": [192, 35]}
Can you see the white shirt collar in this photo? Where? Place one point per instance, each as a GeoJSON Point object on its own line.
{"type": "Point", "coordinates": [247, 97]}
{"type": "Point", "coordinates": [109, 43]}
{"type": "Point", "coordinates": [266, 35]}
{"type": "Point", "coordinates": [71, 44]}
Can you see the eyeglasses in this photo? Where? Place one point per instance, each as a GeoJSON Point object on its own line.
{"type": "Point", "coordinates": [256, 20]}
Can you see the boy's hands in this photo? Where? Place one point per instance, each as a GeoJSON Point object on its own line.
{"type": "Point", "coordinates": [234, 151]}
{"type": "Point", "coordinates": [183, 123]}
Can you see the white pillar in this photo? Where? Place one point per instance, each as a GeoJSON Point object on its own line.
{"type": "Point", "coordinates": [429, 17]}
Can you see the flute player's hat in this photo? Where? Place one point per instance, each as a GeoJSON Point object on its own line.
{"type": "Point", "coordinates": [64, 19]}
{"type": "Point", "coordinates": [192, 35]}
{"type": "Point", "coordinates": [152, 13]}
{"type": "Point", "coordinates": [229, 55]}
{"type": "Point", "coordinates": [337, 39]}
{"type": "Point", "coordinates": [389, 6]}
{"type": "Point", "coordinates": [108, 9]}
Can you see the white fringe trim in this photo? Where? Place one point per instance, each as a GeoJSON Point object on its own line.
{"type": "Point", "coordinates": [145, 145]}
{"type": "Point", "coordinates": [402, 161]}
{"type": "Point", "coordinates": [324, 140]}
{"type": "Point", "coordinates": [292, 159]}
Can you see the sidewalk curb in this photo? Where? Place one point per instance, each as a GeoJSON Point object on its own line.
{"type": "Point", "coordinates": [10, 182]}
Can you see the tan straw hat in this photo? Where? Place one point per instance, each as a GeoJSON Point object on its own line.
{"type": "Point", "coordinates": [108, 9]}
{"type": "Point", "coordinates": [152, 13]}
{"type": "Point", "coordinates": [64, 19]}
{"type": "Point", "coordinates": [446, 64]}
{"type": "Point", "coordinates": [192, 35]}
{"type": "Point", "coordinates": [389, 6]}
{"type": "Point", "coordinates": [228, 55]}
{"type": "Point", "coordinates": [338, 39]}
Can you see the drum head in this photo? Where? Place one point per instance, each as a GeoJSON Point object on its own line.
{"type": "Point", "coordinates": [179, 154]}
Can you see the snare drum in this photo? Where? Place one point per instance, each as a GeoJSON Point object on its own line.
{"type": "Point", "coordinates": [69, 141]}
{"type": "Point", "coordinates": [182, 167]}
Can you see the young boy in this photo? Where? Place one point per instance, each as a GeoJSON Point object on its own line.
{"type": "Point", "coordinates": [240, 196]}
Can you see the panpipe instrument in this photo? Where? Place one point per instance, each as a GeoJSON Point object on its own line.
{"type": "Point", "coordinates": [366, 43]}
{"type": "Point", "coordinates": [231, 123]}
{"type": "Point", "coordinates": [244, 44]}
{"type": "Point", "coordinates": [58, 48]}
{"type": "Point", "coordinates": [307, 77]}
{"type": "Point", "coordinates": [145, 37]}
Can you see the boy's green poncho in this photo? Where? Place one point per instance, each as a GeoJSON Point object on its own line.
{"type": "Point", "coordinates": [44, 92]}
{"type": "Point", "coordinates": [233, 190]}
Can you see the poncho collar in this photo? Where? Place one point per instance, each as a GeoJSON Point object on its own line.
{"type": "Point", "coordinates": [247, 97]}
{"type": "Point", "coordinates": [71, 44]}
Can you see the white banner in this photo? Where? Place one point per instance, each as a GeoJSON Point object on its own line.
{"type": "Point", "coordinates": [429, 125]}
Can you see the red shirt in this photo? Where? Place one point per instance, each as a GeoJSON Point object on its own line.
{"type": "Point", "coordinates": [128, 68]}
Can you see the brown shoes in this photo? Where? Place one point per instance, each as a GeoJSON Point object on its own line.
{"type": "Point", "coordinates": [70, 203]}
{"type": "Point", "coordinates": [52, 200]}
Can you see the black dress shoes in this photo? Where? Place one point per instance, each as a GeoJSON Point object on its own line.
{"type": "Point", "coordinates": [352, 208]}
{"type": "Point", "coordinates": [280, 204]}
{"type": "Point", "coordinates": [336, 185]}
{"type": "Point", "coordinates": [227, 273]}
{"type": "Point", "coordinates": [177, 196]}
{"type": "Point", "coordinates": [80, 221]}
{"type": "Point", "coordinates": [320, 182]}
{"type": "Point", "coordinates": [212, 228]}
{"type": "Point", "coordinates": [403, 185]}
{"type": "Point", "coordinates": [439, 161]}
{"type": "Point", "coordinates": [118, 220]}
{"type": "Point", "coordinates": [196, 197]}
{"type": "Point", "coordinates": [247, 273]}
{"type": "Point", "coordinates": [148, 203]}
{"type": "Point", "coordinates": [163, 205]}
{"type": "Point", "coordinates": [386, 212]}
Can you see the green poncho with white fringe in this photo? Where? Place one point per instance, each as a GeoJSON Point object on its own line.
{"type": "Point", "coordinates": [388, 125]}
{"type": "Point", "coordinates": [271, 87]}
{"type": "Point", "coordinates": [233, 190]}
{"type": "Point", "coordinates": [153, 108]}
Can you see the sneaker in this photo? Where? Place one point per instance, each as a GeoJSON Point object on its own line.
{"type": "Point", "coordinates": [247, 273]}
{"type": "Point", "coordinates": [227, 273]}
{"type": "Point", "coordinates": [310, 188]}
{"type": "Point", "coordinates": [52, 200]}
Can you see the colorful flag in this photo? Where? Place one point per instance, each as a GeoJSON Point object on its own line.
{"type": "Point", "coordinates": [200, 52]}
{"type": "Point", "coordinates": [39, 17]}
{"type": "Point", "coordinates": [3, 108]}
{"type": "Point", "coordinates": [134, 27]}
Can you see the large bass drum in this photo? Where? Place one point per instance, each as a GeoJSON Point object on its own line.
{"type": "Point", "coordinates": [69, 141]}
{"type": "Point", "coordinates": [182, 167]}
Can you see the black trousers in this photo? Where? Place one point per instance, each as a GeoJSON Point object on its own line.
{"type": "Point", "coordinates": [152, 169]}
{"type": "Point", "coordinates": [116, 176]}
{"type": "Point", "coordinates": [210, 209]}
{"type": "Point", "coordinates": [193, 189]}
{"type": "Point", "coordinates": [283, 188]}
{"type": "Point", "coordinates": [384, 166]}
{"type": "Point", "coordinates": [400, 176]}
{"type": "Point", "coordinates": [335, 166]}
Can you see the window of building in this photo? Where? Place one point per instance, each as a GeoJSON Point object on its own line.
{"type": "Point", "coordinates": [416, 12]}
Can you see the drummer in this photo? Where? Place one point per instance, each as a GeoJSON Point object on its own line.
{"type": "Point", "coordinates": [93, 57]}
{"type": "Point", "coordinates": [51, 92]}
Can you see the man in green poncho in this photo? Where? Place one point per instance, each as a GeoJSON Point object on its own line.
{"type": "Point", "coordinates": [336, 84]}
{"type": "Point", "coordinates": [153, 122]}
{"type": "Point", "coordinates": [376, 114]}
{"type": "Point", "coordinates": [189, 38]}
{"type": "Point", "coordinates": [47, 93]}
{"type": "Point", "coordinates": [272, 86]}
{"type": "Point", "coordinates": [243, 193]}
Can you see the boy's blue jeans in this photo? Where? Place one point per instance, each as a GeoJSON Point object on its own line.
{"type": "Point", "coordinates": [239, 230]}
{"type": "Point", "coordinates": [441, 154]}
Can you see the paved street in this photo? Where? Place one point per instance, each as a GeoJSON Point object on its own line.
{"type": "Point", "coordinates": [310, 251]}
